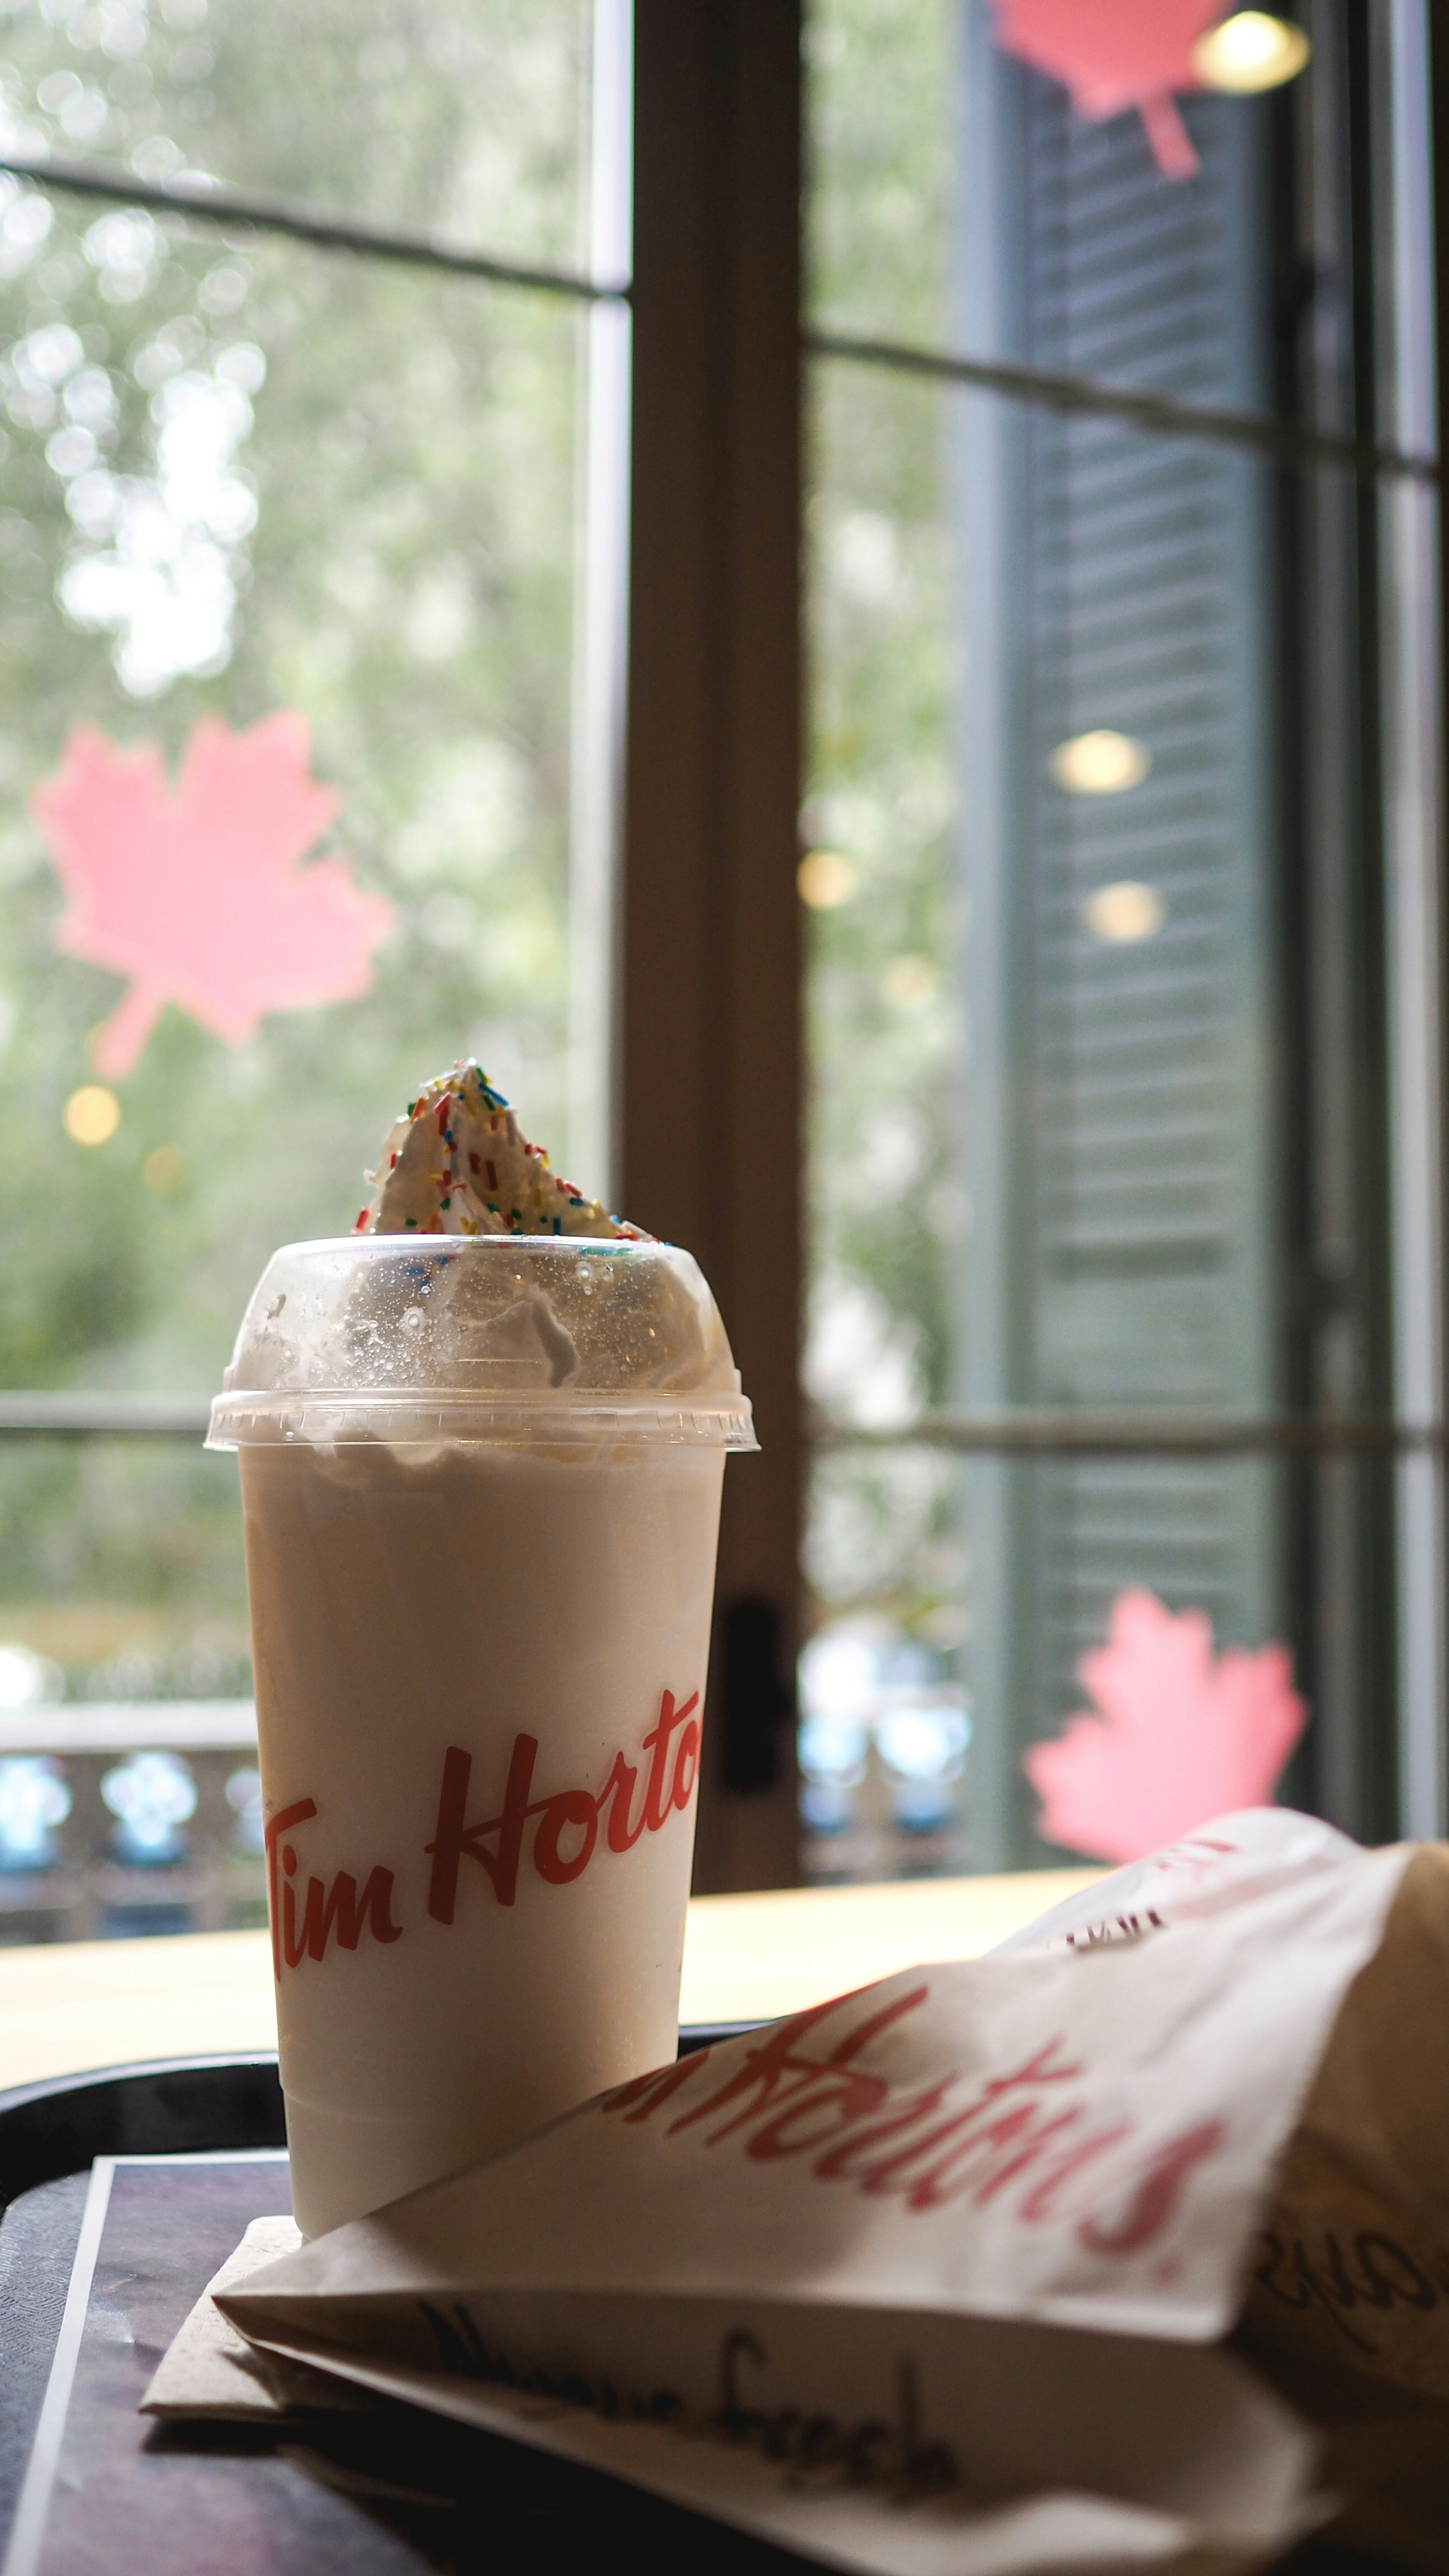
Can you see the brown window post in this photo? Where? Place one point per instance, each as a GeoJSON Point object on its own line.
{"type": "Point", "coordinates": [709, 1039]}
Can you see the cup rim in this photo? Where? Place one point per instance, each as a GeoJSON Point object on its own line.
{"type": "Point", "coordinates": [336, 1417]}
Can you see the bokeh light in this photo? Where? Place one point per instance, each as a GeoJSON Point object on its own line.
{"type": "Point", "coordinates": [92, 1114]}
{"type": "Point", "coordinates": [1122, 913]}
{"type": "Point", "coordinates": [1101, 763]}
{"type": "Point", "coordinates": [1250, 51]}
{"type": "Point", "coordinates": [825, 880]}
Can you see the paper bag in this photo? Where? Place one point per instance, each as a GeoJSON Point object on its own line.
{"type": "Point", "coordinates": [923, 2278]}
{"type": "Point", "coordinates": [1353, 2264]}
{"type": "Point", "coordinates": [1229, 1858]}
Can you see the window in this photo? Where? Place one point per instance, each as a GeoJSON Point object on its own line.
{"type": "Point", "coordinates": [359, 367]}
{"type": "Point", "coordinates": [311, 375]}
{"type": "Point", "coordinates": [1122, 959]}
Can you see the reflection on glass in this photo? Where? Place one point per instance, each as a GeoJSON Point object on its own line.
{"type": "Point", "coordinates": [244, 1797]}
{"type": "Point", "coordinates": [922, 1742]}
{"type": "Point", "coordinates": [882, 1746]}
{"type": "Point", "coordinates": [152, 1795]}
{"type": "Point", "coordinates": [28, 1680]}
{"type": "Point", "coordinates": [34, 1799]}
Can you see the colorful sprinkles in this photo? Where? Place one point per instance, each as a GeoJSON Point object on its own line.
{"type": "Point", "coordinates": [493, 1181]}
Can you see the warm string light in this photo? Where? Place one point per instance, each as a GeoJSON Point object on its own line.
{"type": "Point", "coordinates": [825, 880]}
{"type": "Point", "coordinates": [91, 1115]}
{"type": "Point", "coordinates": [1123, 913]}
{"type": "Point", "coordinates": [1100, 763]}
{"type": "Point", "coordinates": [1249, 52]}
{"type": "Point", "coordinates": [164, 1170]}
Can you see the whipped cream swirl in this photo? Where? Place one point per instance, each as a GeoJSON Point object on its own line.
{"type": "Point", "coordinates": [457, 1162]}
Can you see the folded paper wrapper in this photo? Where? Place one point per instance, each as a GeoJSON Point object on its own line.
{"type": "Point", "coordinates": [942, 2276]}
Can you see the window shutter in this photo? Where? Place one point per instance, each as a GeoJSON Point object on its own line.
{"type": "Point", "coordinates": [1136, 1077]}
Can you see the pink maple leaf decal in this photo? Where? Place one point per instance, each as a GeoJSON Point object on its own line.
{"type": "Point", "coordinates": [200, 898]}
{"type": "Point", "coordinates": [1115, 54]}
{"type": "Point", "coordinates": [1182, 1735]}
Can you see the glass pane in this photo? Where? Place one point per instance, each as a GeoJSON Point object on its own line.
{"type": "Point", "coordinates": [128, 1798]}
{"type": "Point", "coordinates": [1098, 956]}
{"type": "Point", "coordinates": [1056, 1658]}
{"type": "Point", "coordinates": [883, 1683]}
{"type": "Point", "coordinates": [881, 78]}
{"type": "Point", "coordinates": [329, 498]}
{"type": "Point", "coordinates": [884, 903]}
{"type": "Point", "coordinates": [885, 1739]}
{"type": "Point", "coordinates": [467, 120]}
{"type": "Point", "coordinates": [1120, 842]}
{"type": "Point", "coordinates": [287, 629]}
{"type": "Point", "coordinates": [979, 185]}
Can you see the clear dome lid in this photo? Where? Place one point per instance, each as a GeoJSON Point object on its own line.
{"type": "Point", "coordinates": [487, 1337]}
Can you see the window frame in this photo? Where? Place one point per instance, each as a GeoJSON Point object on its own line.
{"type": "Point", "coordinates": [695, 917]}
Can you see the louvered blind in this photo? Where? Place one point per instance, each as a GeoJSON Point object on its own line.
{"type": "Point", "coordinates": [1136, 1203]}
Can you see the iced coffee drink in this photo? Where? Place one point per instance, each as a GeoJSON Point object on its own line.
{"type": "Point", "coordinates": [481, 1446]}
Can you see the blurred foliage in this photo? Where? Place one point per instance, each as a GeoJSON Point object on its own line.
{"type": "Point", "coordinates": [461, 119]}
{"type": "Point", "coordinates": [389, 549]}
{"type": "Point", "coordinates": [123, 1564]}
{"type": "Point", "coordinates": [881, 142]}
{"type": "Point", "coordinates": [408, 587]}
{"type": "Point", "coordinates": [410, 452]}
{"type": "Point", "coordinates": [886, 1206]}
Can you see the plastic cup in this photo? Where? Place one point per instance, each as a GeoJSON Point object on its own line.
{"type": "Point", "coordinates": [480, 1488]}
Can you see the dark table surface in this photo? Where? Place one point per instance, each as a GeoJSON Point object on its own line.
{"type": "Point", "coordinates": [376, 2494]}
{"type": "Point", "coordinates": [384, 2493]}
{"type": "Point", "coordinates": [136, 2498]}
